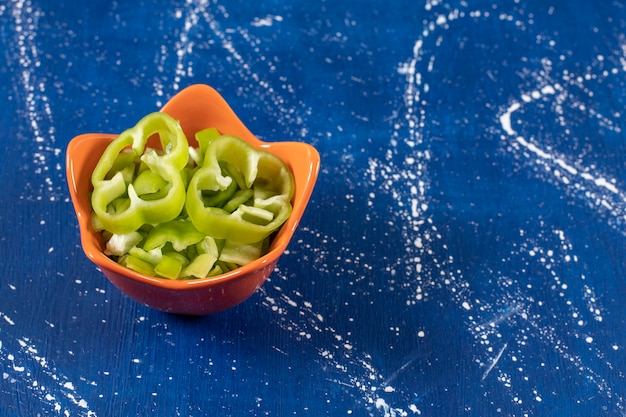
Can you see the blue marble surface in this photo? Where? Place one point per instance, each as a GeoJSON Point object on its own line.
{"type": "Point", "coordinates": [462, 253]}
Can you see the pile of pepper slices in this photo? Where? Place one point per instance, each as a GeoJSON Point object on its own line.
{"type": "Point", "coordinates": [183, 212]}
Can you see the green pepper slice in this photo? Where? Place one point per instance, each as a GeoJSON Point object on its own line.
{"type": "Point", "coordinates": [111, 182]}
{"type": "Point", "coordinates": [180, 233]}
{"type": "Point", "coordinates": [228, 159]}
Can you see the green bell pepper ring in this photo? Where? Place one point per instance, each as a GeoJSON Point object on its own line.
{"type": "Point", "coordinates": [229, 159]}
{"type": "Point", "coordinates": [110, 182]}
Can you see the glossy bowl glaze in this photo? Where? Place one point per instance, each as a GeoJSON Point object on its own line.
{"type": "Point", "coordinates": [196, 107]}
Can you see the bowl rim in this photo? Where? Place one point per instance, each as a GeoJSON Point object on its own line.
{"type": "Point", "coordinates": [305, 178]}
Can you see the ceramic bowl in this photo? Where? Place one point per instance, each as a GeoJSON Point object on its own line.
{"type": "Point", "coordinates": [196, 107]}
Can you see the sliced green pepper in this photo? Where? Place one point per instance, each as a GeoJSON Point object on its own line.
{"type": "Point", "coordinates": [169, 267]}
{"type": "Point", "coordinates": [180, 233]}
{"type": "Point", "coordinates": [181, 212]}
{"type": "Point", "coordinates": [137, 264]}
{"type": "Point", "coordinates": [241, 254]}
{"type": "Point", "coordinates": [229, 159]}
{"type": "Point", "coordinates": [204, 261]}
{"type": "Point", "coordinates": [204, 138]}
{"type": "Point", "coordinates": [115, 200]}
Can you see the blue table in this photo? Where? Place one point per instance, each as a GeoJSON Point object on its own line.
{"type": "Point", "coordinates": [462, 253]}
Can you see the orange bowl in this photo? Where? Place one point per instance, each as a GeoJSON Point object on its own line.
{"type": "Point", "coordinates": [197, 107]}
